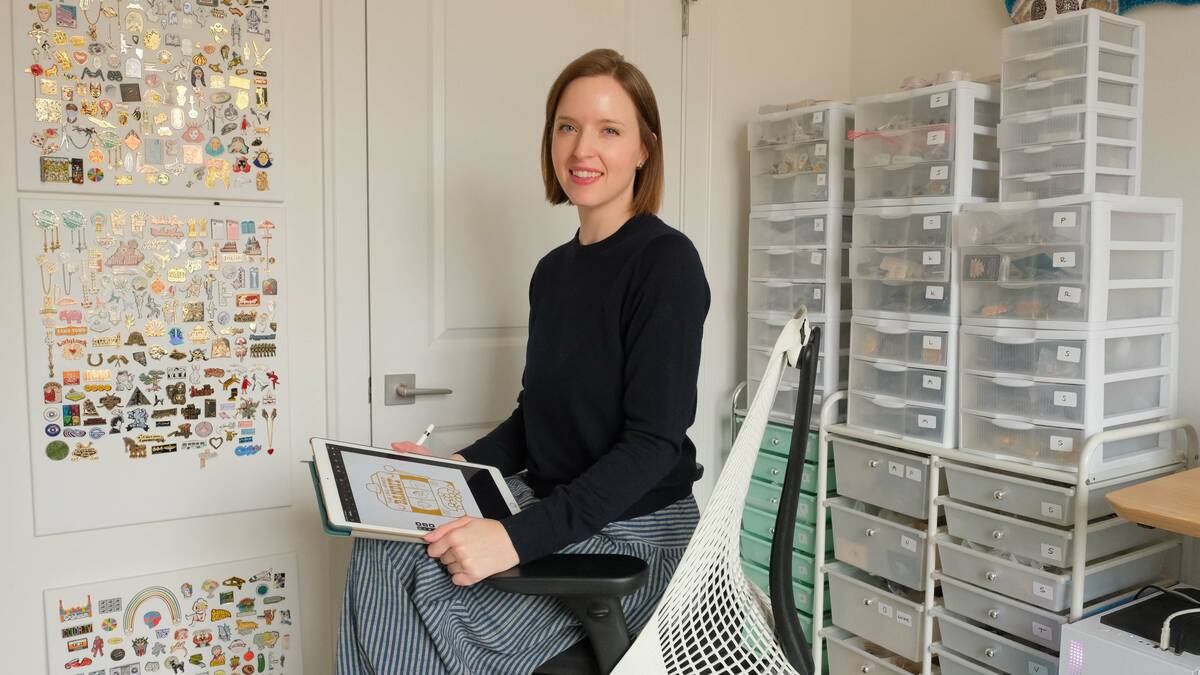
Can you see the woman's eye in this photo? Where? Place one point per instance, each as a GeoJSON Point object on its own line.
{"type": "Point", "coordinates": [565, 127]}
{"type": "Point", "coordinates": [614, 131]}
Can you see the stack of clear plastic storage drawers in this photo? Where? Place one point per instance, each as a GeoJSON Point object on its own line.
{"type": "Point", "coordinates": [1068, 302]}
{"type": "Point", "coordinates": [1071, 106]}
{"type": "Point", "coordinates": [800, 184]}
{"type": "Point", "coordinates": [919, 156]}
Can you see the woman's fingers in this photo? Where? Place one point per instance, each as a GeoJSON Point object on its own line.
{"type": "Point", "coordinates": [410, 447]}
{"type": "Point", "coordinates": [449, 527]}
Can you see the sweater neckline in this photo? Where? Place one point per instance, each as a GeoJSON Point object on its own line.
{"type": "Point", "coordinates": [622, 232]}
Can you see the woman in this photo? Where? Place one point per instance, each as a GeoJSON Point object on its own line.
{"type": "Point", "coordinates": [596, 452]}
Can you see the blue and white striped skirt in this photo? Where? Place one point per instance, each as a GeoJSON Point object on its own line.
{"type": "Point", "coordinates": [402, 614]}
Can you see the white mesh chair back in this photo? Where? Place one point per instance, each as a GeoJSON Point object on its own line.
{"type": "Point", "coordinates": [712, 620]}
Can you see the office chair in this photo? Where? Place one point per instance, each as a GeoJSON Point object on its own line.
{"type": "Point", "coordinates": [711, 618]}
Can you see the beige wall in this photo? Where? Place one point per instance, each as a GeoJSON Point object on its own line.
{"type": "Point", "coordinates": [896, 38]}
{"type": "Point", "coordinates": [762, 52]}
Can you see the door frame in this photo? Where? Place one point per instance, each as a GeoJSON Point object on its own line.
{"type": "Point", "coordinates": [347, 286]}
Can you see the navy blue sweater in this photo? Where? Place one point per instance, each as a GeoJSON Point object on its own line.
{"type": "Point", "coordinates": [609, 388]}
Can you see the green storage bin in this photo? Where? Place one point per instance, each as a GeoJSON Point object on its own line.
{"type": "Point", "coordinates": [766, 496]}
{"type": "Point", "coordinates": [803, 592]}
{"type": "Point", "coordinates": [757, 550]}
{"type": "Point", "coordinates": [762, 523]}
{"type": "Point", "coordinates": [771, 468]}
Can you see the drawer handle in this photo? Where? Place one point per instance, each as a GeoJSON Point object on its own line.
{"type": "Point", "coordinates": [865, 669]}
{"type": "Point", "coordinates": [867, 602]}
{"type": "Point", "coordinates": [774, 441]}
{"type": "Point", "coordinates": [997, 534]}
{"type": "Point", "coordinates": [993, 614]}
{"type": "Point", "coordinates": [874, 463]}
{"type": "Point", "coordinates": [989, 652]}
{"type": "Point", "coordinates": [998, 495]}
{"type": "Point", "coordinates": [772, 531]}
{"type": "Point", "coordinates": [870, 532]}
{"type": "Point", "coordinates": [774, 472]}
{"type": "Point", "coordinates": [990, 576]}
{"type": "Point", "coordinates": [774, 500]}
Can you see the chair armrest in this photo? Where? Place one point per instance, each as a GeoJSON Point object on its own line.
{"type": "Point", "coordinates": [574, 575]}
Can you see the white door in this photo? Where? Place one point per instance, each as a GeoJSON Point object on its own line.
{"type": "Point", "coordinates": [456, 93]}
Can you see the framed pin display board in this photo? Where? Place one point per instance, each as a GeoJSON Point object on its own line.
{"type": "Point", "coordinates": [149, 97]}
{"type": "Point", "coordinates": [155, 344]}
{"type": "Point", "coordinates": [222, 617]}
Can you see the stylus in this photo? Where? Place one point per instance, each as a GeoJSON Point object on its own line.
{"type": "Point", "coordinates": [425, 436]}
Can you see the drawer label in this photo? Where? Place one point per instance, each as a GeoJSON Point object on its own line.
{"type": "Point", "coordinates": [931, 257]}
{"type": "Point", "coordinates": [935, 138]}
{"type": "Point", "coordinates": [819, 150]}
{"type": "Point", "coordinates": [1066, 399]}
{"type": "Point", "coordinates": [816, 257]}
{"type": "Point", "coordinates": [1069, 354]}
{"type": "Point", "coordinates": [1070, 294]}
{"type": "Point", "coordinates": [817, 293]}
{"type": "Point", "coordinates": [931, 223]}
{"type": "Point", "coordinates": [1052, 552]}
{"type": "Point", "coordinates": [1064, 219]}
{"type": "Point", "coordinates": [1042, 631]}
{"type": "Point", "coordinates": [908, 543]}
{"type": "Point", "coordinates": [935, 293]}
{"type": "Point", "coordinates": [1052, 510]}
{"type": "Point", "coordinates": [927, 421]}
{"type": "Point", "coordinates": [1062, 443]}
{"type": "Point", "coordinates": [1037, 669]}
{"type": "Point", "coordinates": [931, 382]}
{"type": "Point", "coordinates": [896, 469]}
{"type": "Point", "coordinates": [1043, 591]}
{"type": "Point", "coordinates": [821, 179]}
{"type": "Point", "coordinates": [939, 100]}
{"type": "Point", "coordinates": [914, 473]}
{"type": "Point", "coordinates": [904, 618]}
{"type": "Point", "coordinates": [885, 609]}
{"type": "Point", "coordinates": [1064, 259]}
{"type": "Point", "coordinates": [818, 224]}
{"type": "Point", "coordinates": [931, 342]}
{"type": "Point", "coordinates": [818, 117]}
{"type": "Point", "coordinates": [939, 172]}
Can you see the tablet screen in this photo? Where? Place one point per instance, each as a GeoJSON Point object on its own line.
{"type": "Point", "coordinates": [409, 491]}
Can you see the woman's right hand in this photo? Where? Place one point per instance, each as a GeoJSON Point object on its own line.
{"type": "Point", "coordinates": [413, 448]}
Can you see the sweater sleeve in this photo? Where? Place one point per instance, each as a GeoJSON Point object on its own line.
{"type": "Point", "coordinates": [662, 325]}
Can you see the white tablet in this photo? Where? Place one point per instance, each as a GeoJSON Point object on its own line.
{"type": "Point", "coordinates": [402, 495]}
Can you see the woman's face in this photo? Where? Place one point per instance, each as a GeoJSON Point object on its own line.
{"type": "Point", "coordinates": [596, 145]}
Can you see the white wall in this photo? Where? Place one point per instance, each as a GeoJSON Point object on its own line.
{"type": "Point", "coordinates": [31, 563]}
{"type": "Point", "coordinates": [894, 39]}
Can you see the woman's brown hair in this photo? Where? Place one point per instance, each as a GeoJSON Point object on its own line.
{"type": "Point", "coordinates": [648, 182]}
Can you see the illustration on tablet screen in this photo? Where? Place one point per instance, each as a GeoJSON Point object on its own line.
{"type": "Point", "coordinates": [416, 494]}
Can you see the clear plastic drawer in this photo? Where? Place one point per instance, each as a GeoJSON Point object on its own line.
{"type": "Point", "coordinates": [898, 418]}
{"type": "Point", "coordinates": [852, 655]}
{"type": "Point", "coordinates": [997, 651]}
{"type": "Point", "coordinates": [1066, 355]}
{"type": "Point", "coordinates": [903, 226]}
{"type": "Point", "coordinates": [1083, 219]}
{"type": "Point", "coordinates": [787, 128]}
{"type": "Point", "coordinates": [1072, 156]}
{"type": "Point", "coordinates": [1045, 95]}
{"type": "Point", "coordinates": [892, 480]}
{"type": "Point", "coordinates": [794, 187]}
{"type": "Point", "coordinates": [904, 181]}
{"type": "Point", "coordinates": [1063, 403]}
{"type": "Point", "coordinates": [901, 342]}
{"type": "Point", "coordinates": [787, 229]}
{"type": "Point", "coordinates": [1056, 64]}
{"type": "Point", "coordinates": [1041, 543]}
{"type": "Point", "coordinates": [779, 295]}
{"type": "Point", "coordinates": [1017, 263]}
{"type": "Point", "coordinates": [1024, 621]}
{"type": "Point", "coordinates": [900, 264]}
{"type": "Point", "coordinates": [887, 619]}
{"type": "Point", "coordinates": [878, 545]}
{"type": "Point", "coordinates": [907, 300]}
{"type": "Point", "coordinates": [1061, 305]}
{"type": "Point", "coordinates": [885, 378]}
{"type": "Point", "coordinates": [1051, 185]}
{"type": "Point", "coordinates": [789, 263]}
{"type": "Point", "coordinates": [1053, 446]}
{"type": "Point", "coordinates": [1067, 124]}
{"type": "Point", "coordinates": [1039, 500]}
{"type": "Point", "coordinates": [1074, 28]}
{"type": "Point", "coordinates": [1049, 589]}
{"type": "Point", "coordinates": [916, 144]}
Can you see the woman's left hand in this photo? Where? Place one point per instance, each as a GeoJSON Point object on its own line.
{"type": "Point", "coordinates": [472, 549]}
